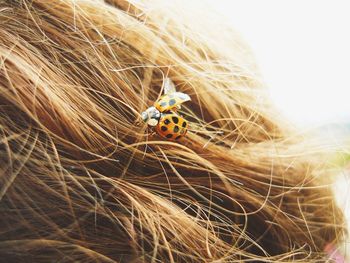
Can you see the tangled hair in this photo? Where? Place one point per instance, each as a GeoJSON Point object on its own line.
{"type": "Point", "coordinates": [82, 180]}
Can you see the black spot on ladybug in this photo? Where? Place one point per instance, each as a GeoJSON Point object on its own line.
{"type": "Point", "coordinates": [164, 128]}
{"type": "Point", "coordinates": [163, 103]}
{"type": "Point", "coordinates": [176, 129]}
{"type": "Point", "coordinates": [169, 136]}
{"type": "Point", "coordinates": [184, 124]}
{"type": "Point", "coordinates": [166, 121]}
{"type": "Point", "coordinates": [175, 119]}
{"type": "Point", "coordinates": [172, 102]}
{"type": "Point", "coordinates": [178, 137]}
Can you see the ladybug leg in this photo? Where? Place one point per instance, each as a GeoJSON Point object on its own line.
{"type": "Point", "coordinates": [152, 134]}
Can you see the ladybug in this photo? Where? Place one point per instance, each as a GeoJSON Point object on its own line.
{"type": "Point", "coordinates": [163, 117]}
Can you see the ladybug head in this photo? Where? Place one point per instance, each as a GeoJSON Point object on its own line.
{"type": "Point", "coordinates": [151, 116]}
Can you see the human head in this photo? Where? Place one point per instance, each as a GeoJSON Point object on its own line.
{"type": "Point", "coordinates": [81, 181]}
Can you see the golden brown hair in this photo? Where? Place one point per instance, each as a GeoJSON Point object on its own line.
{"type": "Point", "coordinates": [81, 180]}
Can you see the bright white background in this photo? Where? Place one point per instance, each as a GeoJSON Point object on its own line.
{"type": "Point", "coordinates": [303, 50]}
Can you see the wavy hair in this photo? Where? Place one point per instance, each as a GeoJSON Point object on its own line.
{"type": "Point", "coordinates": [81, 180]}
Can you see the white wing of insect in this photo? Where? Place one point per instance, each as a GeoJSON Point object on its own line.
{"type": "Point", "coordinates": [169, 87]}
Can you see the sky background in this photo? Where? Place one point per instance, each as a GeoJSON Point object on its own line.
{"type": "Point", "coordinates": [303, 50]}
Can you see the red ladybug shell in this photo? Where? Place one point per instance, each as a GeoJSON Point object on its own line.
{"type": "Point", "coordinates": [171, 126]}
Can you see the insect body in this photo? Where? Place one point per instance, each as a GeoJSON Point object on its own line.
{"type": "Point", "coordinates": [163, 116]}
{"type": "Point", "coordinates": [171, 126]}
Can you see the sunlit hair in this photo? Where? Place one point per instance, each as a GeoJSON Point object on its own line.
{"type": "Point", "coordinates": [82, 179]}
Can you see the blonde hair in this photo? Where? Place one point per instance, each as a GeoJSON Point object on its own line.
{"type": "Point", "coordinates": [82, 180]}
